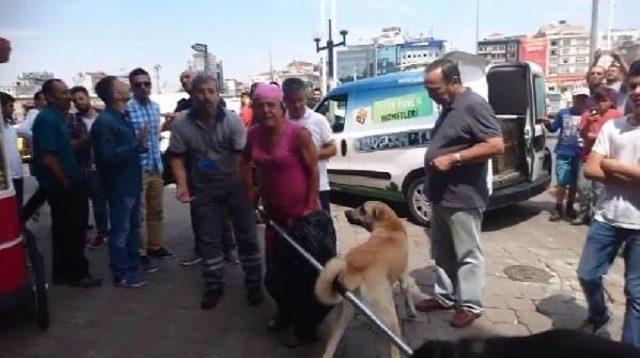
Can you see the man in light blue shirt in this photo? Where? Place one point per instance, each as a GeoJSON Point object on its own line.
{"type": "Point", "coordinates": [144, 113]}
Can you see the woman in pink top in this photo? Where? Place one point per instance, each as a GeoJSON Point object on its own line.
{"type": "Point", "coordinates": [285, 154]}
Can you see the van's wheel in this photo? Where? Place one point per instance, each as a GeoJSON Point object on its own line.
{"type": "Point", "coordinates": [419, 207]}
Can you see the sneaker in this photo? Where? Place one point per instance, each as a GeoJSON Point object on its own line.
{"type": "Point", "coordinates": [463, 318]}
{"type": "Point", "coordinates": [191, 260]}
{"type": "Point", "coordinates": [146, 265]}
{"type": "Point", "coordinates": [556, 215]}
{"type": "Point", "coordinates": [133, 281]}
{"type": "Point", "coordinates": [232, 257]}
{"type": "Point", "coordinates": [211, 298]}
{"type": "Point", "coordinates": [161, 253]}
{"type": "Point", "coordinates": [255, 296]}
{"type": "Point", "coordinates": [86, 282]}
{"type": "Point", "coordinates": [596, 328]}
{"type": "Point", "coordinates": [97, 241]}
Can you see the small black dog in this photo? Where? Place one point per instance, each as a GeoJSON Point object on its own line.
{"type": "Point", "coordinates": [559, 343]}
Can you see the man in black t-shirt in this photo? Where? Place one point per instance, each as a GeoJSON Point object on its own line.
{"type": "Point", "coordinates": [463, 139]}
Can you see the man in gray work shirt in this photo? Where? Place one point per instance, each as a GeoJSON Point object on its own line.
{"type": "Point", "coordinates": [211, 138]}
{"type": "Point", "coordinates": [464, 137]}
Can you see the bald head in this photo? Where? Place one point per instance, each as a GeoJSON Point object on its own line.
{"type": "Point", "coordinates": [595, 77]}
{"type": "Point", "coordinates": [186, 78]}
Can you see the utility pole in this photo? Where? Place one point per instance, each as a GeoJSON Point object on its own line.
{"type": "Point", "coordinates": [330, 47]}
{"type": "Point", "coordinates": [594, 29]}
{"type": "Point", "coordinates": [157, 68]}
{"type": "Point", "coordinates": [323, 59]}
{"type": "Point", "coordinates": [477, 24]}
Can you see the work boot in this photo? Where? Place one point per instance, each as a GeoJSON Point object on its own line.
{"type": "Point", "coordinates": [255, 296]}
{"type": "Point", "coordinates": [211, 298]}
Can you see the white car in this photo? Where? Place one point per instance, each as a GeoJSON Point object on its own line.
{"type": "Point", "coordinates": [382, 128]}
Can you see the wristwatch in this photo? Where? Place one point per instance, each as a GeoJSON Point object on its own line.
{"type": "Point", "coordinates": [457, 159]}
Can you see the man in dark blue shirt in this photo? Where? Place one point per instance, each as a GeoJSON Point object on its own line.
{"type": "Point", "coordinates": [59, 177]}
{"type": "Point", "coordinates": [117, 150]}
{"type": "Point", "coordinates": [568, 150]}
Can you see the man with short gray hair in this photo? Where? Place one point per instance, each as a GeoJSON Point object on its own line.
{"type": "Point", "coordinates": [463, 139]}
{"type": "Point", "coordinates": [211, 139]}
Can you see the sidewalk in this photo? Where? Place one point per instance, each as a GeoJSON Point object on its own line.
{"type": "Point", "coordinates": [164, 319]}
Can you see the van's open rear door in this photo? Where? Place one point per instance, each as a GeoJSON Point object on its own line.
{"type": "Point", "coordinates": [506, 88]}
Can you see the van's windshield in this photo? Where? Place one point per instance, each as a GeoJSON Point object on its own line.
{"type": "Point", "coordinates": [334, 109]}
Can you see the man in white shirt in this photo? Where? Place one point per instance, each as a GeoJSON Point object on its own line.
{"type": "Point", "coordinates": [615, 162]}
{"type": "Point", "coordinates": [11, 146]}
{"type": "Point", "coordinates": [297, 111]}
{"type": "Point", "coordinates": [24, 130]}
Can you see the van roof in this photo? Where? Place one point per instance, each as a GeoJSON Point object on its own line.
{"type": "Point", "coordinates": [390, 80]}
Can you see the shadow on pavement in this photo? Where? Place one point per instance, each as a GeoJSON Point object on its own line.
{"type": "Point", "coordinates": [564, 311]}
{"type": "Point", "coordinates": [496, 220]}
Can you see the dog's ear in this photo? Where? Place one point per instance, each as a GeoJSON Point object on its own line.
{"type": "Point", "coordinates": [379, 212]}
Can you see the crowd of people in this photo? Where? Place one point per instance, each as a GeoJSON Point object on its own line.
{"type": "Point", "coordinates": [222, 162]}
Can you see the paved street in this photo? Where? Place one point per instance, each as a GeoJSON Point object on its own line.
{"type": "Point", "coordinates": [164, 318]}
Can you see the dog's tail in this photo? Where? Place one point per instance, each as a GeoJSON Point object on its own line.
{"type": "Point", "coordinates": [324, 289]}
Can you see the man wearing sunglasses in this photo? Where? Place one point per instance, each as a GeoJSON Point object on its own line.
{"type": "Point", "coordinates": [144, 113]}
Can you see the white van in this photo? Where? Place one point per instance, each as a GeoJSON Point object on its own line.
{"type": "Point", "coordinates": [382, 128]}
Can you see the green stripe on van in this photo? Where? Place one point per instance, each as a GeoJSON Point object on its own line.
{"type": "Point", "coordinates": [367, 191]}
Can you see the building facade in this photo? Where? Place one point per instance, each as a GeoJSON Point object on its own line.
{"type": "Point", "coordinates": [498, 48]}
{"type": "Point", "coordinates": [214, 67]}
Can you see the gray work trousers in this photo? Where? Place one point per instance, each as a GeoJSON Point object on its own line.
{"type": "Point", "coordinates": [455, 246]}
{"type": "Point", "coordinates": [210, 209]}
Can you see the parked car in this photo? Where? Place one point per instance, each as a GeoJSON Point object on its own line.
{"type": "Point", "coordinates": [382, 128]}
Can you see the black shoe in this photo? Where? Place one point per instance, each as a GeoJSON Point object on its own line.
{"type": "Point", "coordinates": [255, 296]}
{"type": "Point", "coordinates": [211, 298]}
{"type": "Point", "coordinates": [87, 282]}
{"type": "Point", "coordinates": [161, 253]}
{"type": "Point", "coordinates": [147, 266]}
{"type": "Point", "coordinates": [232, 257]}
{"type": "Point", "coordinates": [570, 213]}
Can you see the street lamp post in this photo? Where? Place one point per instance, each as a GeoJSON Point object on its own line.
{"type": "Point", "coordinates": [329, 48]}
{"type": "Point", "coordinates": [198, 47]}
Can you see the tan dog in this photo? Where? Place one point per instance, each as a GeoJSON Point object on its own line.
{"type": "Point", "coordinates": [372, 268]}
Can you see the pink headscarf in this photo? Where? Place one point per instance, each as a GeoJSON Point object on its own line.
{"type": "Point", "coordinates": [267, 91]}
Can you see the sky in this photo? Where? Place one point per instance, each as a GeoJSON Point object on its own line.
{"type": "Point", "coordinates": [115, 36]}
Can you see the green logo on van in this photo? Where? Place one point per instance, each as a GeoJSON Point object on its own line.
{"type": "Point", "coordinates": [404, 107]}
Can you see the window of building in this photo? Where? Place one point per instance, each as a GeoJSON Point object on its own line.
{"type": "Point", "coordinates": [554, 42]}
{"type": "Point", "coordinates": [554, 52]}
{"type": "Point", "coordinates": [566, 51]}
{"type": "Point", "coordinates": [566, 42]}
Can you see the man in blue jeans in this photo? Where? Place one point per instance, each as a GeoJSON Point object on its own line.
{"type": "Point", "coordinates": [117, 149]}
{"type": "Point", "coordinates": [567, 151]}
{"type": "Point", "coordinates": [615, 162]}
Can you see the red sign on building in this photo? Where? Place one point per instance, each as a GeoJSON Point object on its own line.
{"type": "Point", "coordinates": [534, 49]}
